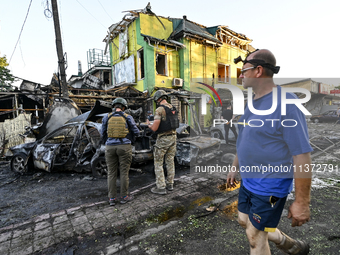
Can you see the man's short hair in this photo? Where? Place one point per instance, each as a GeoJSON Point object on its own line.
{"type": "Point", "coordinates": [269, 58]}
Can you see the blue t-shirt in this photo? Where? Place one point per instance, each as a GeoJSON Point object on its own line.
{"type": "Point", "coordinates": [266, 144]}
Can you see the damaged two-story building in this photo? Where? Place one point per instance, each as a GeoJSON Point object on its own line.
{"type": "Point", "coordinates": [150, 52]}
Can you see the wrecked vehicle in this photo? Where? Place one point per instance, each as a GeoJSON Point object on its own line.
{"type": "Point", "coordinates": [76, 146]}
{"type": "Point", "coordinates": [195, 148]}
{"type": "Point", "coordinates": [69, 147]}
{"type": "Point", "coordinates": [191, 148]}
{"type": "Point", "coordinates": [329, 116]}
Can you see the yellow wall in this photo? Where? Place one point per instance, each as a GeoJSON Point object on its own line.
{"type": "Point", "coordinates": [226, 54]}
{"type": "Point", "coordinates": [133, 47]}
{"type": "Point", "coordinates": [149, 25]}
{"type": "Point", "coordinates": [196, 60]}
{"type": "Point", "coordinates": [165, 81]}
{"type": "Point", "coordinates": [202, 61]}
{"type": "Point", "coordinates": [132, 44]}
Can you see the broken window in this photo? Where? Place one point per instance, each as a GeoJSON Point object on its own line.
{"type": "Point", "coordinates": [62, 135]}
{"type": "Point", "coordinates": [89, 140]}
{"type": "Point", "coordinates": [239, 80]}
{"type": "Point", "coordinates": [107, 77]}
{"type": "Point", "coordinates": [161, 64]}
{"type": "Point", "coordinates": [223, 73]}
{"type": "Point", "coordinates": [140, 55]}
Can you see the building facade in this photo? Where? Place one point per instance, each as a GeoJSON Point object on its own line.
{"type": "Point", "coordinates": [151, 52]}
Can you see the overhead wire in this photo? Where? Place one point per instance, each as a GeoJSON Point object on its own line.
{"type": "Point", "coordinates": [105, 10]}
{"type": "Point", "coordinates": [22, 28]}
{"type": "Point", "coordinates": [22, 56]}
{"type": "Point", "coordinates": [91, 14]}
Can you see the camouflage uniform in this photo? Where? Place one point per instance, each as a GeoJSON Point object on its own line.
{"type": "Point", "coordinates": [165, 147]}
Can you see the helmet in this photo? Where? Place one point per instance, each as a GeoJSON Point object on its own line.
{"type": "Point", "coordinates": [120, 100]}
{"type": "Point", "coordinates": [159, 93]}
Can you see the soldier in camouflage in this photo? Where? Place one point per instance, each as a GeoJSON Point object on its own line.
{"type": "Point", "coordinates": [165, 146]}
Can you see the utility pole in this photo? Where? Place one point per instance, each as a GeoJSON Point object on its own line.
{"type": "Point", "coordinates": [61, 60]}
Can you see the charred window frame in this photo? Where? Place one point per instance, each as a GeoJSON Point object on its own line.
{"type": "Point", "coordinates": [62, 135]}
{"type": "Point", "coordinates": [140, 56]}
{"type": "Point", "coordinates": [161, 64]}
{"type": "Point", "coordinates": [239, 80]}
{"type": "Point", "coordinates": [223, 73]}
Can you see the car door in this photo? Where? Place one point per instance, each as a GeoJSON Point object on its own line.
{"type": "Point", "coordinates": [329, 116]}
{"type": "Point", "coordinates": [334, 116]}
{"type": "Point", "coordinates": [55, 148]}
{"type": "Point", "coordinates": [87, 142]}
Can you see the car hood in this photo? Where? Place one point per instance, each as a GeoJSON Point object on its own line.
{"type": "Point", "coordinates": [201, 142]}
{"type": "Point", "coordinates": [92, 115]}
{"type": "Point", "coordinates": [23, 146]}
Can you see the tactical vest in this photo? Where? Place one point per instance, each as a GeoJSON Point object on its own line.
{"type": "Point", "coordinates": [171, 122]}
{"type": "Point", "coordinates": [116, 125]}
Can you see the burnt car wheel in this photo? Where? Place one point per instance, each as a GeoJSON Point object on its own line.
{"type": "Point", "coordinates": [316, 120]}
{"type": "Point", "coordinates": [99, 168]}
{"type": "Point", "coordinates": [18, 163]}
{"type": "Point", "coordinates": [217, 134]}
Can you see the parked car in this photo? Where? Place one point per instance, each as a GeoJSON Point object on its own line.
{"type": "Point", "coordinates": [328, 116]}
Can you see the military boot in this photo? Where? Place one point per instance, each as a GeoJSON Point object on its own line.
{"type": "Point", "coordinates": [158, 191]}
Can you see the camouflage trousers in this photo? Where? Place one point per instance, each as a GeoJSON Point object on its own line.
{"type": "Point", "coordinates": [164, 149]}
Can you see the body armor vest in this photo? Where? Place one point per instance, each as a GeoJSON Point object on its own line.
{"type": "Point", "coordinates": [171, 122]}
{"type": "Point", "coordinates": [116, 125]}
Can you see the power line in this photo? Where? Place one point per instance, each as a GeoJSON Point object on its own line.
{"type": "Point", "coordinates": [105, 10]}
{"type": "Point", "coordinates": [22, 28]}
{"type": "Point", "coordinates": [22, 56]}
{"type": "Point", "coordinates": [91, 14]}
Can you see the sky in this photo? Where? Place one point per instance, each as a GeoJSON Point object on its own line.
{"type": "Point", "coordinates": [302, 34]}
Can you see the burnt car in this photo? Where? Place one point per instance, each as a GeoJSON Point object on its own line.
{"type": "Point", "coordinates": [191, 148]}
{"type": "Point", "coordinates": [76, 146]}
{"type": "Point", "coordinates": [70, 147]}
{"type": "Point", "coordinates": [328, 116]}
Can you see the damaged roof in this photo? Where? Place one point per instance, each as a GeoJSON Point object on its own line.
{"type": "Point", "coordinates": [184, 26]}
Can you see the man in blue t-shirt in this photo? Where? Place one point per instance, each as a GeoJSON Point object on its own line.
{"type": "Point", "coordinates": [272, 149]}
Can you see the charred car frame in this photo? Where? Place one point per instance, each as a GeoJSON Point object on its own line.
{"type": "Point", "coordinates": [76, 146]}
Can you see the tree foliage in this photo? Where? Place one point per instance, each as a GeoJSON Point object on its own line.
{"type": "Point", "coordinates": [6, 78]}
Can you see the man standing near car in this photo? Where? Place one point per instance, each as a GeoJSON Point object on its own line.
{"type": "Point", "coordinates": [338, 113]}
{"type": "Point", "coordinates": [263, 192]}
{"type": "Point", "coordinates": [165, 124]}
{"type": "Point", "coordinates": [228, 116]}
{"type": "Point", "coordinates": [118, 131]}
